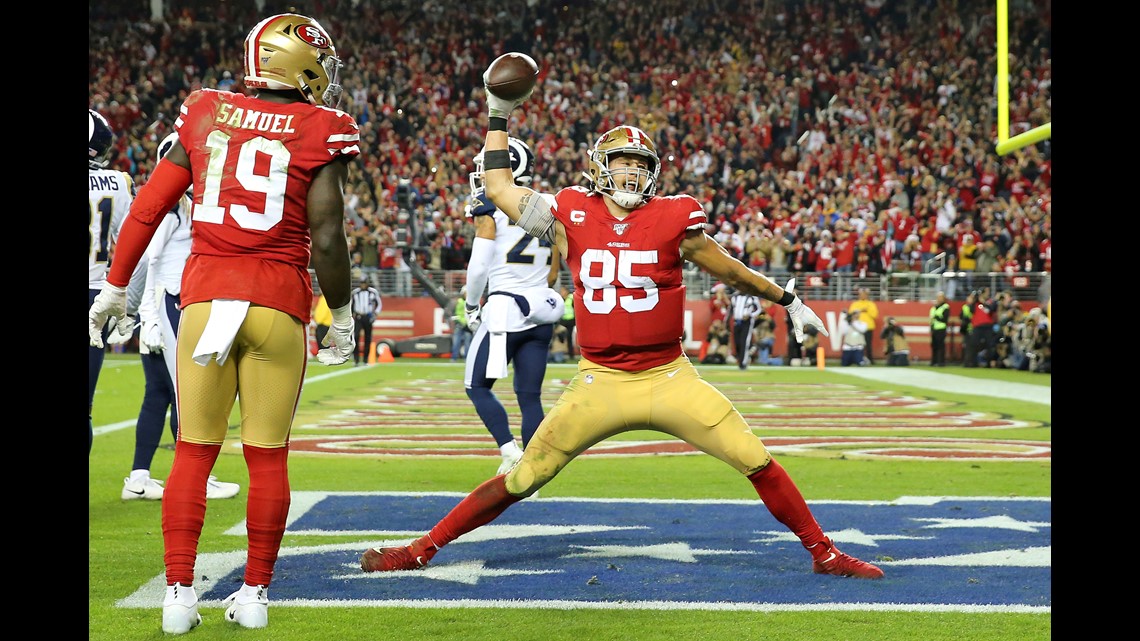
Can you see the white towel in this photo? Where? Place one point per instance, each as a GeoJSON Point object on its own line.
{"type": "Point", "coordinates": [496, 314]}
{"type": "Point", "coordinates": [226, 317]}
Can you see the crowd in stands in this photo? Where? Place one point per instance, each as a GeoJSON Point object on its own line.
{"type": "Point", "coordinates": [824, 136]}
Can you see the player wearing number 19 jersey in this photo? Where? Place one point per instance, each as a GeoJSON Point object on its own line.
{"type": "Point", "coordinates": [625, 248]}
{"type": "Point", "coordinates": [268, 173]}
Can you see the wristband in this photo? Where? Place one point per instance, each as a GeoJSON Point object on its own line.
{"type": "Point", "coordinates": [496, 159]}
{"type": "Point", "coordinates": [497, 124]}
{"type": "Point", "coordinates": [342, 315]}
{"type": "Point", "coordinates": [787, 299]}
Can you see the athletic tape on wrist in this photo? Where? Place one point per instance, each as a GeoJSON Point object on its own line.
{"type": "Point", "coordinates": [787, 299]}
{"type": "Point", "coordinates": [497, 124]}
{"type": "Point", "coordinates": [342, 315]}
{"type": "Point", "coordinates": [497, 159]}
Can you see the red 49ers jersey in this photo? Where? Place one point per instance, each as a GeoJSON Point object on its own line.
{"type": "Point", "coordinates": [629, 294]}
{"type": "Point", "coordinates": [252, 163]}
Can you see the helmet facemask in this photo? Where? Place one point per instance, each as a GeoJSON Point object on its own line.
{"type": "Point", "coordinates": [331, 95]}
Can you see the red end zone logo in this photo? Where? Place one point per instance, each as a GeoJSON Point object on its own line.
{"type": "Point", "coordinates": [314, 36]}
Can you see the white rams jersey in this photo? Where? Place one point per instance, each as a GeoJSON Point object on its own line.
{"type": "Point", "coordinates": [170, 248]}
{"type": "Point", "coordinates": [111, 194]}
{"type": "Point", "coordinates": [522, 262]}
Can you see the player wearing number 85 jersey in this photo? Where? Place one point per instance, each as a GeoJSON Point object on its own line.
{"type": "Point", "coordinates": [625, 247]}
{"type": "Point", "coordinates": [268, 173]}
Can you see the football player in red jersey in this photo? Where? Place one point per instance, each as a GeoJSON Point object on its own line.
{"type": "Point", "coordinates": [626, 247]}
{"type": "Point", "coordinates": [268, 174]}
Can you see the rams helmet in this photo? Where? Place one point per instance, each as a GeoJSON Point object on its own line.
{"type": "Point", "coordinates": [291, 51]}
{"type": "Point", "coordinates": [164, 148]}
{"type": "Point", "coordinates": [624, 139]}
{"type": "Point", "coordinates": [99, 139]}
{"type": "Point", "coordinates": [522, 165]}
{"type": "Point", "coordinates": [166, 144]}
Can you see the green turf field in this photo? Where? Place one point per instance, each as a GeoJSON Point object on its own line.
{"type": "Point", "coordinates": [125, 538]}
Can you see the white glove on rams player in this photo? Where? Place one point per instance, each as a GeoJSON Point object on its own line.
{"type": "Point", "coordinates": [473, 320]}
{"type": "Point", "coordinates": [340, 341]}
{"type": "Point", "coordinates": [802, 315]}
{"type": "Point", "coordinates": [150, 334]}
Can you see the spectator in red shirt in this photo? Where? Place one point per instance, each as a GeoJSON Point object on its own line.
{"type": "Point", "coordinates": [1018, 186]}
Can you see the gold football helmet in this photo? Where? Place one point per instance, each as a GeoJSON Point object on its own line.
{"type": "Point", "coordinates": [620, 185]}
{"type": "Point", "coordinates": [291, 51]}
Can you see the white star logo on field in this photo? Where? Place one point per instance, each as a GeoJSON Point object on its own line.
{"type": "Point", "coordinates": [466, 572]}
{"type": "Point", "coordinates": [852, 536]}
{"type": "Point", "coordinates": [1033, 557]}
{"type": "Point", "coordinates": [680, 552]}
{"type": "Point", "coordinates": [1000, 522]}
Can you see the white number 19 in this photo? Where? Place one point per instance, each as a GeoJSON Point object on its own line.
{"type": "Point", "coordinates": [273, 185]}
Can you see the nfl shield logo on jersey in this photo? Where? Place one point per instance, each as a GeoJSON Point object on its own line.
{"type": "Point", "coordinates": [619, 228]}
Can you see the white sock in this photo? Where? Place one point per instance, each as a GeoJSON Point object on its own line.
{"type": "Point", "coordinates": [249, 591]}
{"type": "Point", "coordinates": [139, 475]}
{"type": "Point", "coordinates": [511, 449]}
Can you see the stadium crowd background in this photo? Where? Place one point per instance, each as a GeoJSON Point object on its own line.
{"type": "Point", "coordinates": [827, 136]}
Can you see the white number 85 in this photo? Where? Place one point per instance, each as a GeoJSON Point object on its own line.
{"type": "Point", "coordinates": [620, 266]}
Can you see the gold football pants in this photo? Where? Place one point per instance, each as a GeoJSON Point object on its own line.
{"type": "Point", "coordinates": [265, 369]}
{"type": "Point", "coordinates": [600, 402]}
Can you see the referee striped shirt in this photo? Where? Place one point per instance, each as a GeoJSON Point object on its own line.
{"type": "Point", "coordinates": [745, 307]}
{"type": "Point", "coordinates": [366, 301]}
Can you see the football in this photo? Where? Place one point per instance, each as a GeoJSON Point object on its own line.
{"type": "Point", "coordinates": [512, 75]}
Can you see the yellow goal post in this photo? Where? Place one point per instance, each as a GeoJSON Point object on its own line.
{"type": "Point", "coordinates": [1005, 143]}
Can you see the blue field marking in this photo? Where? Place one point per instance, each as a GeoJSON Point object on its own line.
{"type": "Point", "coordinates": [939, 553]}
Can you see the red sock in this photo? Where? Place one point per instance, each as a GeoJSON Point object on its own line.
{"type": "Point", "coordinates": [184, 508]}
{"type": "Point", "coordinates": [480, 507]}
{"type": "Point", "coordinates": [266, 509]}
{"type": "Point", "coordinates": [784, 501]}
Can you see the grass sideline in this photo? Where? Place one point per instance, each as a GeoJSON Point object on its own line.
{"type": "Point", "coordinates": [125, 539]}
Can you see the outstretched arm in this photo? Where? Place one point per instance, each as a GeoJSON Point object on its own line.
{"type": "Point", "coordinates": [707, 254]}
{"type": "Point", "coordinates": [522, 205]}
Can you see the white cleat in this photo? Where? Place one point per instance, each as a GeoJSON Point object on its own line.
{"type": "Point", "coordinates": [216, 489]}
{"type": "Point", "coordinates": [248, 607]}
{"type": "Point", "coordinates": [180, 609]}
{"type": "Point", "coordinates": [144, 488]}
{"type": "Point", "coordinates": [512, 453]}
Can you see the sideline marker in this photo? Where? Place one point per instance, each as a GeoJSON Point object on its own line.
{"type": "Point", "coordinates": [384, 354]}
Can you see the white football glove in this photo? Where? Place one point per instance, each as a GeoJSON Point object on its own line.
{"type": "Point", "coordinates": [150, 335]}
{"type": "Point", "coordinates": [498, 107]}
{"type": "Point", "coordinates": [802, 315]}
{"type": "Point", "coordinates": [115, 338]}
{"type": "Point", "coordinates": [110, 306]}
{"type": "Point", "coordinates": [340, 340]}
{"type": "Point", "coordinates": [473, 320]}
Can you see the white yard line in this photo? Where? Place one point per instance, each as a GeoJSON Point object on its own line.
{"type": "Point", "coordinates": [952, 383]}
